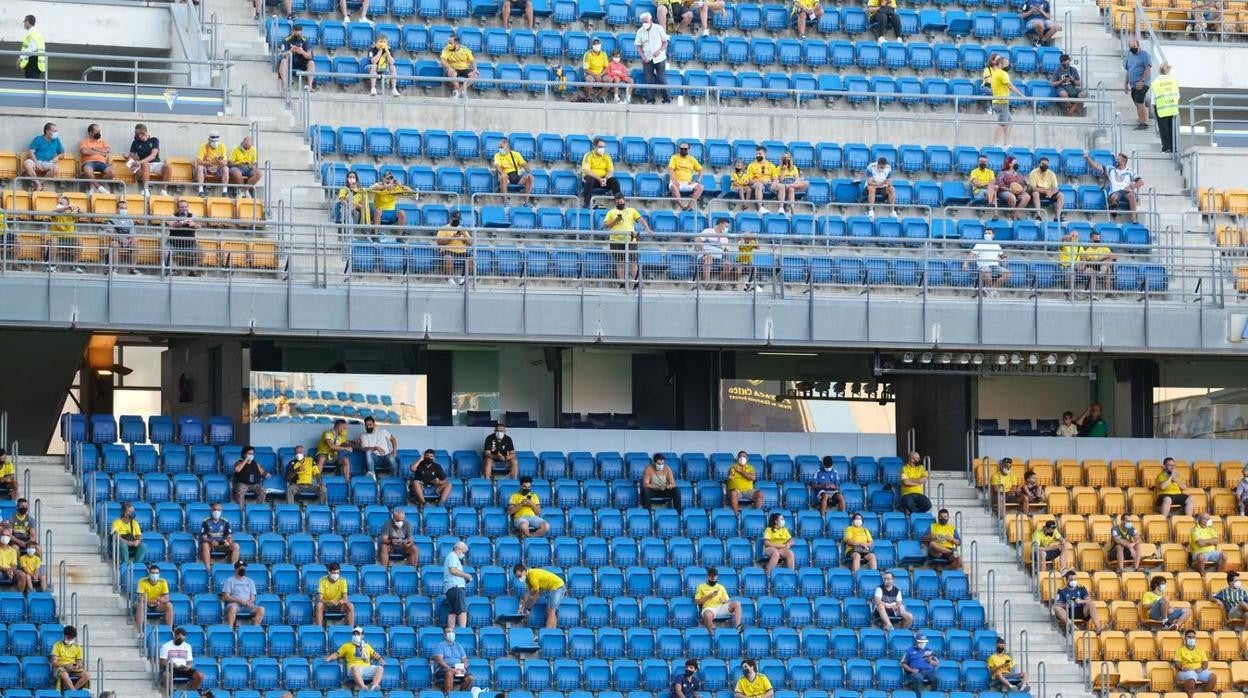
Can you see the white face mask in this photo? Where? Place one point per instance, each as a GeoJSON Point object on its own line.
{"type": "Point", "coordinates": [333, 576]}
{"type": "Point", "coordinates": [298, 455]}
{"type": "Point", "coordinates": [660, 465]}
{"type": "Point", "coordinates": [4, 540]}
{"type": "Point", "coordinates": [743, 460]}
{"type": "Point", "coordinates": [857, 522]}
{"type": "Point", "coordinates": [69, 641]}
{"type": "Point", "coordinates": [597, 49]}
{"type": "Point", "coordinates": [31, 551]}
{"type": "Point", "coordinates": [216, 515]}
{"type": "Point", "coordinates": [357, 639]}
{"type": "Point", "coordinates": [450, 637]}
{"type": "Point", "coordinates": [1072, 583]}
{"type": "Point", "coordinates": [1190, 642]}
{"type": "Point", "coordinates": [988, 236]}
{"type": "Point", "coordinates": [1237, 584]}
{"type": "Point", "coordinates": [154, 576]}
{"type": "Point", "coordinates": [780, 523]}
{"type": "Point", "coordinates": [499, 433]}
{"type": "Point", "coordinates": [1161, 589]}
{"type": "Point", "coordinates": [601, 149]}
{"type": "Point", "coordinates": [399, 524]}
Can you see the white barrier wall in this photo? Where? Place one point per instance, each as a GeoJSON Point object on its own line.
{"type": "Point", "coordinates": [80, 27]}
{"type": "Point", "coordinates": [1052, 448]}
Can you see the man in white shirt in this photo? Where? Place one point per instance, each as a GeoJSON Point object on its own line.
{"type": "Point", "coordinates": [987, 257]}
{"type": "Point", "coordinates": [379, 446]}
{"type": "Point", "coordinates": [1122, 182]}
{"type": "Point", "coordinates": [878, 174]}
{"type": "Point", "coordinates": [714, 243]}
{"type": "Point", "coordinates": [651, 43]}
{"type": "Point", "coordinates": [177, 661]}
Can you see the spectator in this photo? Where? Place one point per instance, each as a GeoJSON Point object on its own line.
{"type": "Point", "coordinates": [764, 176]}
{"type": "Point", "coordinates": [1203, 542]}
{"type": "Point", "coordinates": [459, 63]}
{"type": "Point", "coordinates": [426, 474]}
{"type": "Point", "coordinates": [684, 173]}
{"type": "Point", "coordinates": [212, 162]}
{"type": "Point", "coordinates": [983, 182]}
{"type": "Point", "coordinates": [1044, 191]}
{"type": "Point", "coordinates": [991, 66]}
{"type": "Point", "coordinates": [1012, 187]}
{"type": "Point", "coordinates": [239, 595]}
{"type": "Point", "coordinates": [1001, 667]}
{"type": "Point", "coordinates": [705, 7]}
{"type": "Point", "coordinates": [1092, 424]}
{"type": "Point", "coordinates": [24, 529]}
{"type": "Point", "coordinates": [740, 186]}
{"type": "Point", "coordinates": [746, 245]}
{"type": "Point", "coordinates": [598, 173]}
{"type": "Point", "coordinates": [381, 62]}
{"type": "Point", "coordinates": [1206, 15]}
{"type": "Point", "coordinates": [1139, 69]}
{"type": "Point", "coordinates": [244, 170]}
{"type": "Point", "coordinates": [346, 17]}
{"type": "Point", "coordinates": [359, 657]}
{"type": "Point", "coordinates": [525, 6]}
{"type": "Point", "coordinates": [64, 246]}
{"type": "Point", "coordinates": [8, 560]}
{"type": "Point", "coordinates": [987, 257]}
{"type": "Point", "coordinates": [1049, 547]}
{"type": "Point", "coordinates": [1032, 493]}
{"type": "Point", "coordinates": [913, 482]}
{"type": "Point", "coordinates": [536, 582]}
{"type": "Point", "coordinates": [714, 243]}
{"type": "Point", "coordinates": [777, 544]}
{"type": "Point", "coordinates": [713, 602]}
{"type": "Point", "coordinates": [1170, 490]}
{"type": "Point", "coordinates": [688, 684]}
{"type": "Point", "coordinates": [454, 585]}
{"type": "Point", "coordinates": [379, 447]}
{"type": "Point", "coordinates": [1073, 604]}
{"type": "Point", "coordinates": [333, 449]}
{"type": "Point", "coordinates": [753, 683]}
{"type": "Point", "coordinates": [216, 539]}
{"type": "Point", "coordinates": [943, 541]}
{"type": "Point", "coordinates": [303, 478]}
{"type": "Point", "coordinates": [658, 484]}
{"type": "Point", "coordinates": [1121, 181]}
{"type": "Point", "coordinates": [617, 74]}
{"type": "Point", "coordinates": [67, 664]}
{"type": "Point", "coordinates": [450, 665]}
{"type": "Point", "coordinates": [805, 11]}
{"type": "Point", "coordinates": [8, 476]}
{"type": "Point", "coordinates": [144, 160]}
{"type": "Point", "coordinates": [1067, 83]}
{"type": "Point", "coordinates": [130, 547]}
{"type": "Point", "coordinates": [182, 237]}
{"type": "Point", "coordinates": [1241, 492]}
{"type": "Point", "coordinates": [1166, 99]}
{"type": "Point", "coordinates": [651, 42]}
{"type": "Point", "coordinates": [353, 203]}
{"type": "Point", "coordinates": [879, 180]}
{"type": "Point", "coordinates": [1157, 606]}
{"type": "Point", "coordinates": [1233, 598]}
{"type": "Point", "coordinates": [594, 70]}
{"type": "Point", "coordinates": [791, 182]}
{"type": "Point", "coordinates": [331, 596]}
{"type": "Point", "coordinates": [93, 151]}
{"type": "Point", "coordinates": [257, 7]}
{"type": "Point", "coordinates": [826, 486]}
{"type": "Point", "coordinates": [296, 58]}
{"type": "Point", "coordinates": [919, 665]}
{"type": "Point", "coordinates": [1003, 485]}
{"type": "Point", "coordinates": [882, 15]}
{"type": "Point", "coordinates": [889, 606]}
{"type": "Point", "coordinates": [513, 171]}
{"type": "Point", "coordinates": [1068, 428]}
{"type": "Point", "coordinates": [741, 484]}
{"type": "Point", "coordinates": [152, 599]}
{"type": "Point", "coordinates": [1002, 86]}
{"type": "Point", "coordinates": [1038, 17]}
{"type": "Point", "coordinates": [33, 60]}
{"type": "Point", "coordinates": [499, 448]}
{"type": "Point", "coordinates": [30, 570]}
{"type": "Point", "coordinates": [1191, 664]}
{"type": "Point", "coordinates": [177, 662]}
{"type": "Point", "coordinates": [39, 158]}
{"type": "Point", "coordinates": [386, 194]}
{"type": "Point", "coordinates": [249, 477]}
{"type": "Point", "coordinates": [121, 238]}
{"type": "Point", "coordinates": [525, 509]}
{"type": "Point", "coordinates": [396, 536]}
{"type": "Point", "coordinates": [859, 545]}
{"type": "Point", "coordinates": [455, 244]}
{"type": "Point", "coordinates": [621, 222]}
{"type": "Point", "coordinates": [677, 14]}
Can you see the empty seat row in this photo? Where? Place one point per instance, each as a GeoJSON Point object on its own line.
{"type": "Point", "coordinates": [187, 430]}
{"type": "Point", "coordinates": [223, 211]}
{"type": "Point", "coordinates": [270, 407]}
{"type": "Point", "coordinates": [1095, 472]}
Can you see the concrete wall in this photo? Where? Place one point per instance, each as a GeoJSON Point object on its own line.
{"type": "Point", "coordinates": [524, 384]}
{"type": "Point", "coordinates": [119, 29]}
{"type": "Point", "coordinates": [1052, 447]}
{"type": "Point", "coordinates": [179, 136]}
{"type": "Point", "coordinates": [597, 380]}
{"type": "Point", "coordinates": [1219, 168]}
{"type": "Point", "coordinates": [1208, 66]}
{"type": "Point", "coordinates": [1046, 398]}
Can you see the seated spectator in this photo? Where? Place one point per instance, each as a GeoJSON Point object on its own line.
{"type": "Point", "coordinates": [688, 684]}
{"type": "Point", "coordinates": [152, 599]}
{"type": "Point", "coordinates": [1073, 604]}
{"type": "Point", "coordinates": [764, 176]}
{"type": "Point", "coordinates": [617, 74]}
{"type": "Point", "coordinates": [1156, 607]}
{"type": "Point", "coordinates": [211, 162]}
{"type": "Point", "coordinates": [1124, 543]}
{"type": "Point", "coordinates": [249, 478]}
{"type": "Point", "coordinates": [500, 449]}
{"type": "Point", "coordinates": [1233, 598]}
{"type": "Point", "coordinates": [23, 528]}
{"type": "Point", "coordinates": [525, 509]}
{"type": "Point", "coordinates": [8, 476]}
{"type": "Point", "coordinates": [1049, 546]}
{"type": "Point", "coordinates": [1038, 17]}
{"type": "Point", "coordinates": [64, 246]}
{"type": "Point", "coordinates": [983, 183]}
{"type": "Point", "coordinates": [1191, 664]}
{"type": "Point", "coordinates": [683, 172]}
{"type": "Point", "coordinates": [303, 478]}
{"type": "Point", "coordinates": [943, 541]}
{"type": "Point", "coordinates": [39, 158]}
{"type": "Point", "coordinates": [1003, 485]}
{"type": "Point", "coordinates": [753, 683]}
{"type": "Point", "coordinates": [1206, 16]}
{"type": "Point", "coordinates": [1122, 183]}
{"type": "Point", "coordinates": [889, 606]}
{"type": "Point", "coordinates": [454, 585]}
{"type": "Point", "coordinates": [257, 7]}
{"type": "Point", "coordinates": [1241, 492]}
{"type": "Point", "coordinates": [379, 447]}
{"type": "Point", "coordinates": [455, 245]}
{"type": "Point", "coordinates": [68, 668]}
{"type": "Point", "coordinates": [177, 662]}
{"type": "Point", "coordinates": [1067, 83]}
{"type": "Point", "coordinates": [714, 603]}
{"type": "Point", "coordinates": [790, 181]}
{"type": "Point", "coordinates": [1203, 542]}
{"type": "Point", "coordinates": [1031, 492]}
{"type": "Point", "coordinates": [30, 570]}
{"type": "Point", "coordinates": [182, 237]}
{"type": "Point", "coordinates": [144, 159]}
{"type": "Point", "coordinates": [353, 203]}
{"type": "Point", "coordinates": [879, 180]}
{"type": "Point", "coordinates": [741, 484]}
{"type": "Point", "coordinates": [1170, 486]}
{"type": "Point", "coordinates": [333, 450]}
{"type": "Point", "coordinates": [121, 237]}
{"type": "Point", "coordinates": [1092, 424]}
{"type": "Point", "coordinates": [93, 152]}
{"type": "Point", "coordinates": [386, 194]}
{"type": "Point", "coordinates": [658, 484]}
{"type": "Point", "coordinates": [859, 544]}
{"type": "Point", "coordinates": [536, 582]}
{"type": "Point", "coordinates": [1012, 187]}
{"type": "Point", "coordinates": [777, 544]}
{"type": "Point", "coordinates": [913, 483]}
{"type": "Point", "coordinates": [1001, 667]}
{"type": "Point", "coordinates": [882, 16]}
{"type": "Point", "coordinates": [804, 12]}
{"type": "Point", "coordinates": [705, 7]}
{"type": "Point", "coordinates": [129, 534]}
{"type": "Point", "coordinates": [346, 17]}
{"type": "Point", "coordinates": [826, 486]}
{"type": "Point", "coordinates": [332, 596]}
{"type": "Point", "coordinates": [1067, 428]}
{"type": "Point", "coordinates": [525, 6]}
{"type": "Point", "coordinates": [1043, 183]}
{"type": "Point", "coordinates": [397, 537]}
{"type": "Point", "coordinates": [244, 167]}
{"type": "Point", "coordinates": [919, 665]}
{"type": "Point", "coordinates": [714, 243]}
{"type": "Point", "coordinates": [1096, 262]}
{"type": "Point", "coordinates": [598, 173]}
{"type": "Point", "coordinates": [359, 657]}
{"type": "Point", "coordinates": [594, 70]}
{"type": "Point", "coordinates": [740, 186]}
{"type": "Point", "coordinates": [676, 14]}
{"type": "Point", "coordinates": [450, 665]}
{"type": "Point", "coordinates": [239, 595]}
{"type": "Point", "coordinates": [297, 58]}
{"type": "Point", "coordinates": [459, 63]}
{"type": "Point", "coordinates": [513, 171]}
{"type": "Point", "coordinates": [216, 539]}
{"type": "Point", "coordinates": [428, 474]}
{"type": "Point", "coordinates": [381, 62]}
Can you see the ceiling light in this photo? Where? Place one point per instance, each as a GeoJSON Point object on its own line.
{"type": "Point", "coordinates": [1033, 359]}
{"type": "Point", "coordinates": [977, 359]}
{"type": "Point", "coordinates": [1070, 359]}
{"type": "Point", "coordinates": [926, 358]}
{"type": "Point", "coordinates": [1015, 359]}
{"type": "Point", "coordinates": [964, 359]}
{"type": "Point", "coordinates": [946, 358]}
{"type": "Point", "coordinates": [1051, 359]}
{"type": "Point", "coordinates": [907, 358]}
{"type": "Point", "coordinates": [1001, 359]}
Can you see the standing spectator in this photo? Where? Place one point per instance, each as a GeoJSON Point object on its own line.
{"type": "Point", "coordinates": [753, 683]}
{"type": "Point", "coordinates": [249, 477]}
{"type": "Point", "coordinates": [359, 657]}
{"type": "Point", "coordinates": [386, 193]}
{"type": "Point", "coordinates": [1067, 428]}
{"type": "Point", "coordinates": [455, 585]}
{"type": "Point", "coordinates": [152, 599]}
{"type": "Point", "coordinates": [742, 484]}
{"type": "Point", "coordinates": [459, 63]}
{"type": "Point", "coordinates": [827, 486]}
{"type": "Point", "coordinates": [882, 15]}
{"type": "Point", "coordinates": [714, 243]}
{"type": "Point", "coordinates": [525, 509]}
{"type": "Point", "coordinates": [859, 544]}
{"type": "Point", "coordinates": [687, 684]}
{"type": "Point", "coordinates": [598, 173]}
{"type": "Point", "coordinates": [244, 170]}
{"type": "Point", "coordinates": [182, 237]}
{"type": "Point", "coordinates": [239, 594]}
{"type": "Point", "coordinates": [455, 245]}
{"type": "Point", "coordinates": [63, 226]}
{"type": "Point", "coordinates": [1012, 187]}
{"type": "Point", "coordinates": [33, 60]}
{"type": "Point", "coordinates": [296, 58]}
{"type": "Point", "coordinates": [396, 536]}
{"type": "Point", "coordinates": [740, 186]}
{"type": "Point", "coordinates": [121, 237]}
{"type": "Point", "coordinates": [1241, 493]}
{"type": "Point", "coordinates": [683, 173]}
{"type": "Point", "coordinates": [1139, 69]}
{"type": "Point", "coordinates": [331, 595]}
{"type": "Point", "coordinates": [1002, 86]}
{"type": "Point", "coordinates": [211, 163]}
{"type": "Point", "coordinates": [919, 665]}
{"type": "Point", "coordinates": [992, 65]}
{"type": "Point", "coordinates": [1067, 83]}
{"type": "Point", "coordinates": [144, 159]}
{"type": "Point", "coordinates": [513, 171]}
{"type": "Point", "coordinates": [427, 473]}
{"type": "Point", "coordinates": [1203, 542]}
{"type": "Point", "coordinates": [791, 183]}
{"type": "Point", "coordinates": [594, 70]}
{"type": "Point", "coordinates": [1001, 666]}
{"type": "Point", "coordinates": [1233, 598]}
{"type": "Point", "coordinates": [352, 207]}
{"type": "Point", "coordinates": [1073, 603]}
{"type": "Point", "coordinates": [777, 543]}
{"type": "Point", "coordinates": [1192, 666]}
{"type": "Point", "coordinates": [177, 661]}
{"type": "Point", "coordinates": [303, 477]}
{"type": "Point", "coordinates": [216, 539]}
{"type": "Point", "coordinates": [764, 176]}
{"type": "Point", "coordinates": [450, 664]}
{"type": "Point", "coordinates": [1049, 547]}
{"type": "Point", "coordinates": [525, 6]}
{"type": "Point", "coordinates": [1122, 182]}
{"type": "Point", "coordinates": [621, 223]}
{"type": "Point", "coordinates": [890, 608]}
{"type": "Point", "coordinates": [93, 151]}
{"type": "Point", "coordinates": [1165, 106]}
{"type": "Point", "coordinates": [1124, 543]}
{"type": "Point", "coordinates": [943, 541]}
{"type": "Point", "coordinates": [39, 158]}
{"type": "Point", "coordinates": [67, 663]}
{"type": "Point", "coordinates": [983, 182]}
{"type": "Point", "coordinates": [913, 483]}
{"type": "Point", "coordinates": [379, 447]}
{"type": "Point", "coordinates": [651, 42]}
{"type": "Point", "coordinates": [381, 62]}
{"type": "Point", "coordinates": [658, 484]}
{"type": "Point", "coordinates": [1092, 424]}
{"type": "Point", "coordinates": [129, 535]}
{"type": "Point", "coordinates": [617, 74]}
{"type": "Point", "coordinates": [499, 448]}
{"type": "Point", "coordinates": [1043, 183]}
{"type": "Point", "coordinates": [805, 11]}
{"type": "Point", "coordinates": [1038, 16]}
{"type": "Point", "coordinates": [537, 582]}
{"type": "Point", "coordinates": [1157, 607]}
{"type": "Point", "coordinates": [878, 180]}
{"type": "Point", "coordinates": [714, 603]}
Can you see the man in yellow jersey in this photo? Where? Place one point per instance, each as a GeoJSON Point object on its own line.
{"type": "Point", "coordinates": [244, 169]}
{"type": "Point", "coordinates": [753, 683]}
{"type": "Point", "coordinates": [359, 657]}
{"type": "Point", "coordinates": [333, 450]}
{"type": "Point", "coordinates": [1169, 485]}
{"type": "Point", "coordinates": [1004, 485]}
{"type": "Point", "coordinates": [983, 182]}
{"type": "Point", "coordinates": [130, 547]}
{"type": "Point", "coordinates": [303, 478]}
{"type": "Point", "coordinates": [882, 15]}
{"type": "Point", "coordinates": [713, 601]}
{"type": "Point", "coordinates": [386, 195]}
{"type": "Point", "coordinates": [764, 176]}
{"type": "Point", "coordinates": [913, 482]}
{"type": "Point", "coordinates": [1043, 183]}
{"type": "Point", "coordinates": [1049, 547]}
{"type": "Point", "coordinates": [152, 599]}
{"type": "Point", "coordinates": [807, 12]}
{"type": "Point", "coordinates": [211, 163]}
{"type": "Point", "coordinates": [1096, 263]}
{"type": "Point", "coordinates": [8, 475]}
{"type": "Point", "coordinates": [1001, 668]}
{"type": "Point", "coordinates": [513, 171]}
{"type": "Point", "coordinates": [598, 173]}
{"type": "Point", "coordinates": [458, 62]}
{"type": "Point", "coordinates": [683, 171]}
{"type": "Point", "coordinates": [537, 582]}
{"type": "Point", "coordinates": [1191, 664]}
{"type": "Point", "coordinates": [1203, 542]}
{"type": "Point", "coordinates": [63, 227]}
{"type": "Point", "coordinates": [741, 484]}
{"type": "Point", "coordinates": [621, 222]}
{"type": "Point", "coordinates": [1002, 86]}
{"type": "Point", "coordinates": [943, 540]}
{"type": "Point", "coordinates": [455, 244]}
{"type": "Point", "coordinates": [331, 596]}
{"type": "Point", "coordinates": [594, 69]}
{"type": "Point", "coordinates": [525, 509]}
{"type": "Point", "coordinates": [381, 62]}
{"type": "Point", "coordinates": [66, 661]}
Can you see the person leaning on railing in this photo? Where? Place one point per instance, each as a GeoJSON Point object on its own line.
{"type": "Point", "coordinates": [353, 203]}
{"type": "Point", "coordinates": [121, 239]}
{"type": "Point", "coordinates": [181, 231]}
{"type": "Point", "coordinates": [64, 247]}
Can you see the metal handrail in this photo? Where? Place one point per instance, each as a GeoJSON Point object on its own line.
{"type": "Point", "coordinates": [136, 63]}
{"type": "Point", "coordinates": [1024, 649]}
{"type": "Point", "coordinates": [990, 596]}
{"type": "Point", "coordinates": [1042, 679]}
{"type": "Point", "coordinates": [62, 576]}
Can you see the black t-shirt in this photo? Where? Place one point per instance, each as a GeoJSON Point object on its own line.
{"type": "Point", "coordinates": [493, 444]}
{"type": "Point", "coordinates": [297, 41]}
{"type": "Point", "coordinates": [428, 472]}
{"type": "Point", "coordinates": [249, 475]}
{"type": "Point", "coordinates": [142, 149]}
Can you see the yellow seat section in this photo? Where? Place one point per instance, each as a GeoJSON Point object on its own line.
{"type": "Point", "coordinates": [1095, 473]}
{"type": "Point", "coordinates": [1085, 500]}
{"type": "Point", "coordinates": [1131, 675]}
{"type": "Point", "coordinates": [220, 209]}
{"type": "Point", "coordinates": [1232, 472]}
{"type": "Point", "coordinates": [147, 250]}
{"type": "Point", "coordinates": [249, 212]}
{"type": "Point", "coordinates": [1160, 675]}
{"type": "Point", "coordinates": [1229, 236]}
{"type": "Point", "coordinates": [67, 166]}
{"type": "Point", "coordinates": [29, 247]}
{"type": "Point", "coordinates": [161, 206]}
{"type": "Point", "coordinates": [263, 254]}
{"type": "Point", "coordinates": [19, 202]}
{"type": "Point", "coordinates": [8, 164]}
{"type": "Point", "coordinates": [1056, 500]}
{"type": "Point", "coordinates": [1113, 501]}
{"type": "Point", "coordinates": [1205, 474]}
{"type": "Point", "coordinates": [104, 204]}
{"type": "Point", "coordinates": [233, 253]}
{"type": "Point", "coordinates": [1237, 201]}
{"type": "Point", "coordinates": [181, 169]}
{"type": "Point", "coordinates": [1069, 473]}
{"type": "Point", "coordinates": [209, 249]}
{"type": "Point", "coordinates": [120, 171]}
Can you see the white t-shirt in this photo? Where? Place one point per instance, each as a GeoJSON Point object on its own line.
{"type": "Point", "coordinates": [879, 174]}
{"type": "Point", "coordinates": [988, 254]}
{"type": "Point", "coordinates": [712, 241]}
{"type": "Point", "coordinates": [380, 438]}
{"type": "Point", "coordinates": [650, 42]}
{"type": "Point", "coordinates": [1119, 179]}
{"type": "Point", "coordinates": [177, 655]}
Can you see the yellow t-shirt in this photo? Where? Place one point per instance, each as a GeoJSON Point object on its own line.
{"type": "Point", "coordinates": [459, 58]}
{"type": "Point", "coordinates": [1067, 254]}
{"type": "Point", "coordinates": [683, 167]}
{"type": "Point", "coordinates": [385, 198]}
{"type": "Point", "coordinates": [945, 534]}
{"type": "Point", "coordinates": [1043, 540]}
{"type": "Point", "coordinates": [7, 470]}
{"type": "Point", "coordinates": [718, 594]}
{"type": "Point", "coordinates": [306, 471]}
{"type": "Point", "coordinates": [153, 591]}
{"type": "Point", "coordinates": [1173, 487]}
{"type": "Point", "coordinates": [526, 510]}
{"type": "Point", "coordinates": [509, 162]}
{"type": "Point", "coordinates": [857, 535]}
{"type": "Point", "coordinates": [764, 171]}
{"type": "Point", "coordinates": [357, 198]}
{"type": "Point", "coordinates": [354, 658]}
{"type": "Point", "coordinates": [452, 240]}
{"type": "Point", "coordinates": [757, 687]}
{"type": "Point", "coordinates": [238, 156]}
{"type": "Point", "coordinates": [739, 179]}
{"type": "Point", "coordinates": [331, 592]}
{"type": "Point", "coordinates": [1190, 659]}
{"type": "Point", "coordinates": [1000, 86]}
{"type": "Point", "coordinates": [789, 172]}
{"type": "Point", "coordinates": [1004, 481]}
{"type": "Point", "coordinates": [779, 536]}
{"type": "Point", "coordinates": [329, 438]}
{"type": "Point", "coordinates": [30, 563]}
{"type": "Point", "coordinates": [594, 63]}
{"type": "Point", "coordinates": [1000, 662]}
{"type": "Point", "coordinates": [738, 482]}
{"type": "Point", "coordinates": [623, 224]}
{"type": "Point", "coordinates": [1095, 254]}
{"type": "Point", "coordinates": [806, 4]}
{"type": "Point", "coordinates": [597, 165]}
{"type": "Point", "coordinates": [541, 580]}
{"type": "Point", "coordinates": [912, 472]}
{"type": "Point", "coordinates": [1042, 180]}
{"type": "Point", "coordinates": [1149, 598]}
{"type": "Point", "coordinates": [982, 178]}
{"type": "Point", "coordinates": [745, 250]}
{"type": "Point", "coordinates": [208, 153]}
{"type": "Point", "coordinates": [62, 225]}
{"type": "Point", "coordinates": [1201, 533]}
{"type": "Point", "coordinates": [131, 528]}
{"type": "Point", "coordinates": [877, 4]}
{"type": "Point", "coordinates": [66, 655]}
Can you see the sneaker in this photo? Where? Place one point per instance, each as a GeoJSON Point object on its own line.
{"type": "Point", "coordinates": [454, 94]}
{"type": "Point", "coordinates": [146, 191]}
{"type": "Point", "coordinates": [165, 191]}
{"type": "Point", "coordinates": [871, 213]}
{"type": "Point", "coordinates": [101, 189]}
{"type": "Point", "coordinates": [451, 282]}
{"type": "Point", "coordinates": [880, 40]}
{"type": "Point", "coordinates": [618, 100]}
{"type": "Point", "coordinates": [1141, 127]}
{"type": "Point", "coordinates": [394, 92]}
{"type": "Point", "coordinates": [892, 212]}
{"type": "Point", "coordinates": [200, 191]}
{"type": "Point", "coordinates": [763, 209]}
{"type": "Point", "coordinates": [52, 268]}
{"type": "Point", "coordinates": [79, 270]}
{"type": "Point", "coordinates": [706, 32]}
{"type": "Point", "coordinates": [372, 92]}
{"type": "Point", "coordinates": [135, 272]}
{"type": "Point", "coordinates": [365, 19]}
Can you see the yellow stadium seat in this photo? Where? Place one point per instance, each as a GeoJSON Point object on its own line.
{"type": "Point", "coordinates": [1113, 501]}
{"type": "Point", "coordinates": [1056, 500]}
{"type": "Point", "coordinates": [1141, 500]}
{"type": "Point", "coordinates": [1099, 527]}
{"type": "Point", "coordinates": [249, 212]}
{"type": "Point", "coordinates": [1049, 583]}
{"type": "Point", "coordinates": [1088, 645]}
{"type": "Point", "coordinates": [1105, 675]}
{"type": "Point", "coordinates": [1143, 645]}
{"type": "Point", "coordinates": [1209, 615]}
{"type": "Point", "coordinates": [1045, 474]}
{"type": "Point", "coordinates": [161, 206]}
{"type": "Point", "coordinates": [66, 166]}
{"type": "Point", "coordinates": [1090, 556]}
{"type": "Point", "coordinates": [1095, 473]}
{"type": "Point", "coordinates": [104, 204]}
{"type": "Point", "coordinates": [1225, 646]}
{"type": "Point", "coordinates": [1073, 527]}
{"type": "Point", "coordinates": [209, 251]}
{"type": "Point", "coordinates": [43, 201]}
{"type": "Point", "coordinates": [1205, 473]}
{"type": "Point", "coordinates": [1124, 19]}
{"type": "Point", "coordinates": [1132, 675]}
{"type": "Point", "coordinates": [1155, 528]}
{"type": "Point", "coordinates": [220, 209]}
{"type": "Point", "coordinates": [120, 171]}
{"type": "Point", "coordinates": [234, 253]}
{"type": "Point", "coordinates": [983, 471]}
{"type": "Point", "coordinates": [1160, 675]}
{"type": "Point", "coordinates": [263, 254]}
{"type": "Point", "coordinates": [196, 205]}
{"type": "Point", "coordinates": [1114, 646]}
{"type": "Point", "coordinates": [1234, 557]}
{"type": "Point", "coordinates": [1228, 236]}
{"type": "Point", "coordinates": [1147, 472]}
{"type": "Point", "coordinates": [1017, 528]}
{"type": "Point", "coordinates": [1237, 201]}
{"type": "Point", "coordinates": [1241, 280]}
{"type": "Point", "coordinates": [1180, 526]}
{"type": "Point", "coordinates": [1189, 586]}
{"type": "Point", "coordinates": [1232, 472]}
{"type": "Point", "coordinates": [181, 169]}
{"type": "Point", "coordinates": [1124, 615]}
{"type": "Point", "coordinates": [8, 164]}
{"type": "Point", "coordinates": [1105, 585]}
{"type": "Point", "coordinates": [1200, 499]}
{"type": "Point", "coordinates": [1069, 473]}
{"type": "Point", "coordinates": [1239, 674]}
{"type": "Point", "coordinates": [1237, 529]}
{"type": "Point", "coordinates": [29, 247]}
{"type": "Point", "coordinates": [1222, 671]}
{"type": "Point", "coordinates": [146, 250]}
{"type": "Point", "coordinates": [1224, 503]}
{"type": "Point", "coordinates": [19, 202]}
{"type": "Point", "coordinates": [1125, 473]}
{"type": "Point", "coordinates": [91, 249]}
{"type": "Point", "coordinates": [1084, 500]}
{"type": "Point", "coordinates": [1174, 557]}
{"type": "Point", "coordinates": [1134, 584]}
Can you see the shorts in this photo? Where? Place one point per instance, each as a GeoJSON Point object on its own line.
{"type": "Point", "coordinates": [1068, 91]}
{"type": "Point", "coordinates": [994, 269]}
{"type": "Point", "coordinates": [218, 171]}
{"type": "Point", "coordinates": [240, 611]}
{"type": "Point", "coordinates": [467, 72]}
{"type": "Point", "coordinates": [1003, 112]}
{"type": "Point", "coordinates": [1235, 612]}
{"type": "Point", "coordinates": [981, 193]}
{"type": "Point", "coordinates": [95, 167]}
{"type": "Point", "coordinates": [1194, 675]}
{"type": "Point", "coordinates": [455, 603]}
{"type": "Point", "coordinates": [439, 675]}
{"type": "Point", "coordinates": [1154, 613]}
{"type": "Point", "coordinates": [155, 167]}
{"type": "Point", "coordinates": [621, 247]}
{"type": "Point", "coordinates": [513, 177]}
{"type": "Point", "coordinates": [684, 187]}
{"type": "Point", "coordinates": [1213, 556]}
{"type": "Point", "coordinates": [1051, 555]}
{"type": "Point", "coordinates": [305, 489]}
{"type": "Point", "coordinates": [368, 672]}
{"type": "Point", "coordinates": [42, 164]}
{"type": "Point", "coordinates": [555, 596]}
{"type": "Point", "coordinates": [744, 494]}
{"type": "Point", "coordinates": [1040, 25]}
{"type": "Point", "coordinates": [719, 610]}
{"type": "Point", "coordinates": [1176, 500]}
{"type": "Point", "coordinates": [389, 217]}
{"type": "Point", "coordinates": [714, 253]}
{"type": "Point", "coordinates": [245, 170]}
{"type": "Point", "coordinates": [298, 63]}
{"type": "Point", "coordinates": [1079, 613]}
{"type": "Point", "coordinates": [1137, 96]}
{"type": "Point", "coordinates": [532, 521]}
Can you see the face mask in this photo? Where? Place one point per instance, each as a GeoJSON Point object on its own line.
{"type": "Point", "coordinates": [499, 433]}
{"type": "Point", "coordinates": [983, 165]}
{"type": "Point", "coordinates": [601, 149]}
{"type": "Point", "coordinates": [987, 236]}
{"type": "Point", "coordinates": [1135, 49]}
{"type": "Point", "coordinates": [739, 168]}
{"type": "Point", "coordinates": [1190, 642]}
{"type": "Point", "coordinates": [399, 524]}
{"type": "Point", "coordinates": [1161, 589]}
{"type": "Point", "coordinates": [660, 465]}
{"type": "Point", "coordinates": [69, 641]}
{"type": "Point", "coordinates": [56, 135]}
{"type": "Point", "coordinates": [216, 515]}
{"type": "Point", "coordinates": [121, 210]}
{"type": "Point", "coordinates": [619, 207]}
{"type": "Point", "coordinates": [178, 640]}
{"type": "Point", "coordinates": [357, 639]}
{"type": "Point", "coordinates": [944, 520]}
{"type": "Point", "coordinates": [690, 671]}
{"type": "Point", "coordinates": [241, 571]}
{"type": "Point", "coordinates": [23, 509]}
{"type": "Point", "coordinates": [1044, 167]}
{"type": "Point", "coordinates": [780, 523]}
{"type": "Point", "coordinates": [857, 522]}
{"type": "Point", "coordinates": [1001, 649]}
{"type": "Point", "coordinates": [758, 158]}
{"type": "Point", "coordinates": [749, 671]}
{"type": "Point", "coordinates": [333, 576]}
{"type": "Point", "coordinates": [596, 49]}
{"type": "Point", "coordinates": [1237, 584]}
{"type": "Point", "coordinates": [94, 134]}
{"type": "Point", "coordinates": [248, 457]}
{"type": "Point", "coordinates": [450, 637]}
{"type": "Point", "coordinates": [743, 460]}
{"type": "Point", "coordinates": [4, 540]}
{"type": "Point", "coordinates": [525, 490]}
{"type": "Point", "coordinates": [298, 455]}
{"type": "Point", "coordinates": [684, 151]}
{"type": "Point", "coordinates": [372, 429]}
{"type": "Point", "coordinates": [646, 24]}
{"type": "Point", "coordinates": [827, 467]}
{"type": "Point", "coordinates": [1072, 583]}
{"type": "Point", "coordinates": [31, 551]}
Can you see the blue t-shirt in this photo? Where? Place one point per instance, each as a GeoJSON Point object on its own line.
{"type": "Point", "coordinates": [214, 531]}
{"type": "Point", "coordinates": [1066, 595]}
{"type": "Point", "coordinates": [451, 653]}
{"type": "Point", "coordinates": [1041, 4]}
{"type": "Point", "coordinates": [46, 150]}
{"type": "Point", "coordinates": [450, 581]}
{"type": "Point", "coordinates": [827, 479]}
{"type": "Point", "coordinates": [917, 658]}
{"type": "Point", "coordinates": [1135, 64]}
{"type": "Point", "coordinates": [688, 683]}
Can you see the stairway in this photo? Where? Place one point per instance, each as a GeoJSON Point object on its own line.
{"type": "Point", "coordinates": [103, 620]}
{"type": "Point", "coordinates": [1010, 584]}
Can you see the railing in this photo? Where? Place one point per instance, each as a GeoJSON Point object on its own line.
{"type": "Point", "coordinates": [1042, 679]}
{"type": "Point", "coordinates": [19, 186]}
{"type": "Point", "coordinates": [134, 66]}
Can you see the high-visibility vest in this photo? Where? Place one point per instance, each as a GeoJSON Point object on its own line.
{"type": "Point", "coordinates": [1166, 95]}
{"type": "Point", "coordinates": [33, 44]}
